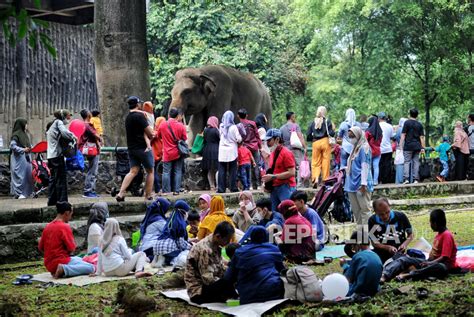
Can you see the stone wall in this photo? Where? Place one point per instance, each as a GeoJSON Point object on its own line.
{"type": "Point", "coordinates": [194, 180]}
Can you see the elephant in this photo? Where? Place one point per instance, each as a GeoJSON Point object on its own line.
{"type": "Point", "coordinates": [212, 90]}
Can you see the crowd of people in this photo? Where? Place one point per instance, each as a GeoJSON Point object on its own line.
{"type": "Point", "coordinates": [242, 253]}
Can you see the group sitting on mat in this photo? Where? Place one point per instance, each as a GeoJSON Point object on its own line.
{"type": "Point", "coordinates": [259, 242]}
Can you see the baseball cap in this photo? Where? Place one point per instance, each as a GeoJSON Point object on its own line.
{"type": "Point", "coordinates": [272, 133]}
{"type": "Point", "coordinates": [382, 115]}
{"type": "Point", "coordinates": [133, 100]}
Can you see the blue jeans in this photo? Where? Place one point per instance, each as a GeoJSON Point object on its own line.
{"type": "Point", "coordinates": [91, 177]}
{"type": "Point", "coordinates": [399, 173]}
{"type": "Point", "coordinates": [77, 267]}
{"type": "Point", "coordinates": [279, 194]}
{"type": "Point", "coordinates": [244, 176]}
{"type": "Point", "coordinates": [344, 158]}
{"type": "Point", "coordinates": [157, 180]}
{"type": "Point", "coordinates": [445, 171]}
{"type": "Point", "coordinates": [177, 167]}
{"type": "Point", "coordinates": [375, 166]}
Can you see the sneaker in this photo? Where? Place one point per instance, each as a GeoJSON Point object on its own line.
{"type": "Point", "coordinates": [22, 197]}
{"type": "Point", "coordinates": [415, 182]}
{"type": "Point", "coordinates": [90, 195]}
{"type": "Point", "coordinates": [406, 182]}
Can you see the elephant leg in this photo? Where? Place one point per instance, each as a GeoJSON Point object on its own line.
{"type": "Point", "coordinates": [195, 126]}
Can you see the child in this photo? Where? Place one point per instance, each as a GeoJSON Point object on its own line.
{"type": "Point", "coordinates": [148, 110]}
{"type": "Point", "coordinates": [443, 149]}
{"type": "Point", "coordinates": [204, 204]}
{"type": "Point", "coordinates": [193, 224]}
{"type": "Point", "coordinates": [365, 269]}
{"type": "Point", "coordinates": [441, 260]}
{"type": "Point", "coordinates": [115, 258]}
{"type": "Point", "coordinates": [336, 150]}
{"type": "Point", "coordinates": [97, 122]}
{"type": "Point", "coordinates": [245, 158]}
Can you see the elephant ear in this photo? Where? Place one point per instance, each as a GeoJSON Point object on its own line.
{"type": "Point", "coordinates": [208, 86]}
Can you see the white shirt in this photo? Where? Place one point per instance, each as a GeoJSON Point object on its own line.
{"type": "Point", "coordinates": [115, 259]}
{"type": "Point", "coordinates": [93, 236]}
{"type": "Point", "coordinates": [228, 146]}
{"type": "Point", "coordinates": [387, 132]}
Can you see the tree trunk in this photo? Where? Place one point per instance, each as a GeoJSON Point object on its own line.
{"type": "Point", "coordinates": [21, 72]}
{"type": "Point", "coordinates": [121, 61]}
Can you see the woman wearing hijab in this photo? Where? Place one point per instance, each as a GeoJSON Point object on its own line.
{"type": "Point", "coordinates": [344, 135]}
{"type": "Point", "coordinates": [319, 132]}
{"type": "Point", "coordinates": [173, 239]}
{"type": "Point", "coordinates": [374, 136]}
{"type": "Point", "coordinates": [229, 139]}
{"type": "Point", "coordinates": [255, 269]}
{"type": "Point", "coordinates": [115, 258]}
{"type": "Point", "coordinates": [461, 151]}
{"type": "Point", "coordinates": [262, 126]}
{"type": "Point", "coordinates": [95, 225]}
{"type": "Point", "coordinates": [210, 152]}
{"type": "Point", "coordinates": [216, 215]}
{"type": "Point", "coordinates": [57, 188]}
{"type": "Point", "coordinates": [359, 184]}
{"type": "Point", "coordinates": [153, 224]}
{"type": "Point", "coordinates": [247, 214]}
{"type": "Point", "coordinates": [157, 148]}
{"type": "Point", "coordinates": [297, 241]}
{"type": "Point", "coordinates": [204, 203]}
{"type": "Point", "coordinates": [21, 185]}
{"type": "Point", "coordinates": [399, 167]}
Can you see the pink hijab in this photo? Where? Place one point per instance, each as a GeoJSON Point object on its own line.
{"type": "Point", "coordinates": [206, 198]}
{"type": "Point", "coordinates": [213, 122]}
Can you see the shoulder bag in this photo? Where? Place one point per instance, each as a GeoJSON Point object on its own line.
{"type": "Point", "coordinates": [183, 148]}
{"type": "Point", "coordinates": [332, 140]}
{"type": "Point", "coordinates": [269, 185]}
{"type": "Point", "coordinates": [68, 147]}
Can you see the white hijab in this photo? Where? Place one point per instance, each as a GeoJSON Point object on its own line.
{"type": "Point", "coordinates": [111, 236]}
{"type": "Point", "coordinates": [361, 143]}
{"type": "Point", "coordinates": [350, 117]}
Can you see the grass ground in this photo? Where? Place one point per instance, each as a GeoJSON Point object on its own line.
{"type": "Point", "coordinates": [454, 296]}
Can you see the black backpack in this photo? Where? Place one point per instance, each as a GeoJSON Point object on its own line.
{"type": "Point", "coordinates": [342, 210]}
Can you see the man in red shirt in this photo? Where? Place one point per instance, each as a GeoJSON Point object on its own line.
{"type": "Point", "coordinates": [251, 140]}
{"type": "Point", "coordinates": [172, 161]}
{"type": "Point", "coordinates": [282, 167]}
{"type": "Point", "coordinates": [57, 244]}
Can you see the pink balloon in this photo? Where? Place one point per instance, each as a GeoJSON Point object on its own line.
{"type": "Point", "coordinates": [77, 127]}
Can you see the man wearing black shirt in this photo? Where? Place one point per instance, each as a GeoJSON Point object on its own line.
{"type": "Point", "coordinates": [412, 142]}
{"type": "Point", "coordinates": [390, 231]}
{"type": "Point", "coordinates": [137, 126]}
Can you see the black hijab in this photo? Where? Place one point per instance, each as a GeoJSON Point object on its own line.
{"type": "Point", "coordinates": [19, 133]}
{"type": "Point", "coordinates": [374, 128]}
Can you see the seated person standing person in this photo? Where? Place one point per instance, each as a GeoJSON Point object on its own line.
{"type": "Point", "coordinates": [297, 239]}
{"type": "Point", "coordinates": [392, 230]}
{"type": "Point", "coordinates": [246, 215]}
{"type": "Point", "coordinates": [57, 244]}
{"type": "Point", "coordinates": [205, 269]}
{"type": "Point", "coordinates": [152, 225]}
{"type": "Point", "coordinates": [300, 198]}
{"type": "Point", "coordinates": [365, 268]}
{"type": "Point", "coordinates": [95, 225]}
{"type": "Point", "coordinates": [255, 268]}
{"type": "Point", "coordinates": [115, 259]}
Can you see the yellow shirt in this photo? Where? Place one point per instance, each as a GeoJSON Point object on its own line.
{"type": "Point", "coordinates": [97, 124]}
{"type": "Point", "coordinates": [209, 224]}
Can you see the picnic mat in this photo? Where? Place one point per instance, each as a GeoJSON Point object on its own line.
{"type": "Point", "coordinates": [248, 310]}
{"type": "Point", "coordinates": [331, 251]}
{"type": "Point", "coordinates": [84, 280]}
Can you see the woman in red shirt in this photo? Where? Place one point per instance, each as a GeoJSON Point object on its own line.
{"type": "Point", "coordinates": [373, 134]}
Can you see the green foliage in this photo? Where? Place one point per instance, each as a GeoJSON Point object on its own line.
{"type": "Point", "coordinates": [27, 27]}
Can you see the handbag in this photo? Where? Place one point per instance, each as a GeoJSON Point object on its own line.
{"type": "Point", "coordinates": [75, 162]}
{"type": "Point", "coordinates": [332, 140]}
{"type": "Point", "coordinates": [304, 168]}
{"type": "Point", "coordinates": [198, 144]}
{"type": "Point", "coordinates": [183, 148]}
{"type": "Point", "coordinates": [295, 141]}
{"type": "Point", "coordinates": [90, 149]}
{"type": "Point", "coordinates": [269, 185]}
{"type": "Point", "coordinates": [399, 159]}
{"type": "Point", "coordinates": [68, 147]}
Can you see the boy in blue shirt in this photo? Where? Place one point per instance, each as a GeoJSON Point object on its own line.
{"type": "Point", "coordinates": [443, 150]}
{"type": "Point", "coordinates": [365, 269]}
{"type": "Point", "coordinates": [300, 198]}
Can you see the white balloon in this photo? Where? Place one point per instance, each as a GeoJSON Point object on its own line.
{"type": "Point", "coordinates": [335, 286]}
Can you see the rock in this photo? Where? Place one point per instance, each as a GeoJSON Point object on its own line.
{"type": "Point", "coordinates": [133, 298]}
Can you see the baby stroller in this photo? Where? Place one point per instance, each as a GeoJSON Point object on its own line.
{"type": "Point", "coordinates": [40, 169]}
{"type": "Point", "coordinates": [122, 167]}
{"type": "Point", "coordinates": [332, 195]}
